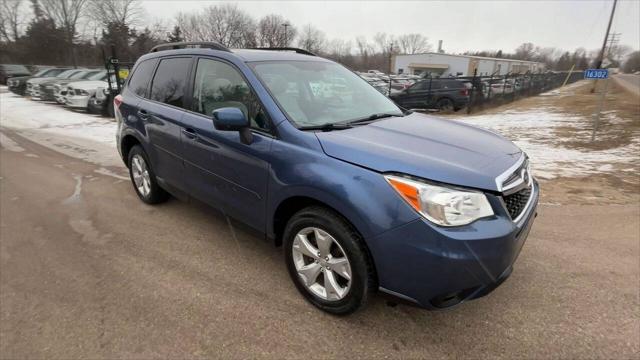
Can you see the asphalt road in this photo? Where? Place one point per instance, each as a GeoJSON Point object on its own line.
{"type": "Point", "coordinates": [88, 271]}
{"type": "Point", "coordinates": [630, 82]}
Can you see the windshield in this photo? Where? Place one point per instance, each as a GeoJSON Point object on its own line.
{"type": "Point", "coordinates": [101, 75]}
{"type": "Point", "coordinates": [66, 74]}
{"type": "Point", "coordinates": [320, 93]}
{"type": "Point", "coordinates": [79, 75]}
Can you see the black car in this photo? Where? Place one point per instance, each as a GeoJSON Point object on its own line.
{"type": "Point", "coordinates": [18, 85]}
{"type": "Point", "coordinates": [8, 71]}
{"type": "Point", "coordinates": [442, 94]}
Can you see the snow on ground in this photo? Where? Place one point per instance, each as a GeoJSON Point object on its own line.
{"type": "Point", "coordinates": [533, 131]}
{"type": "Point", "coordinates": [84, 136]}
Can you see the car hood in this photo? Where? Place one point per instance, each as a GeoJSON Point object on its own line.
{"type": "Point", "coordinates": [425, 146]}
{"type": "Point", "coordinates": [87, 84]}
{"type": "Point", "coordinates": [22, 78]}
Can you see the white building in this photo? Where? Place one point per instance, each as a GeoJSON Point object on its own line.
{"type": "Point", "coordinates": [460, 65]}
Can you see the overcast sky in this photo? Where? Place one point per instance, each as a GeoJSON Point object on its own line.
{"type": "Point", "coordinates": [462, 25]}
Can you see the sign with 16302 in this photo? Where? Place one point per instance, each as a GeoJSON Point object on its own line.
{"type": "Point", "coordinates": [596, 74]}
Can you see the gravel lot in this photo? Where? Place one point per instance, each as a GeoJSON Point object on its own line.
{"type": "Point", "coordinates": [88, 271]}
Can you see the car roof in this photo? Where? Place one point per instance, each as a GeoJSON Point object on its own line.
{"type": "Point", "coordinates": [245, 55]}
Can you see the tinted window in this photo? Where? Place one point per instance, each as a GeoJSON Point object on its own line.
{"type": "Point", "coordinates": [170, 81]}
{"type": "Point", "coordinates": [140, 80]}
{"type": "Point", "coordinates": [219, 85]}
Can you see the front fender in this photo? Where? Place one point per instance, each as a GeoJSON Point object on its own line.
{"type": "Point", "coordinates": [361, 195]}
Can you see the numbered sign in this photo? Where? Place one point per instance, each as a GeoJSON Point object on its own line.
{"type": "Point", "coordinates": [596, 74]}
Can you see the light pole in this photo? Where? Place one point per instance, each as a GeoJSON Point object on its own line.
{"type": "Point", "coordinates": [286, 41]}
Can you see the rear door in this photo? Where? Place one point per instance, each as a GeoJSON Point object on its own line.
{"type": "Point", "coordinates": [220, 169]}
{"type": "Point", "coordinates": [161, 113]}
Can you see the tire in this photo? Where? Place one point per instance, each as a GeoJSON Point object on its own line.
{"type": "Point", "coordinates": [353, 293]}
{"type": "Point", "coordinates": [146, 186]}
{"type": "Point", "coordinates": [445, 105]}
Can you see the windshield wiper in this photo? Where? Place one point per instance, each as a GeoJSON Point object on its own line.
{"type": "Point", "coordinates": [373, 117]}
{"type": "Point", "coordinates": [327, 127]}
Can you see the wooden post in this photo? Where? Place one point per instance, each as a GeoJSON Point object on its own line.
{"type": "Point", "coordinates": [568, 75]}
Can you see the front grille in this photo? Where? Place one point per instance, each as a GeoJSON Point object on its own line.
{"type": "Point", "coordinates": [517, 202]}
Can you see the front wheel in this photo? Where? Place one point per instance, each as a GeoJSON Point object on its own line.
{"type": "Point", "coordinates": [328, 261]}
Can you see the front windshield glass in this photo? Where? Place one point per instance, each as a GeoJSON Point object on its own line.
{"type": "Point", "coordinates": [41, 72]}
{"type": "Point", "coordinates": [66, 74]}
{"type": "Point", "coordinates": [314, 93]}
{"type": "Point", "coordinates": [79, 75]}
{"type": "Point", "coordinates": [101, 75]}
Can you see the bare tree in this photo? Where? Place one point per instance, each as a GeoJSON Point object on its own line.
{"type": "Point", "coordinates": [413, 44]}
{"type": "Point", "coordinates": [273, 33]}
{"type": "Point", "coordinates": [226, 24]}
{"type": "Point", "coordinates": [312, 39]}
{"type": "Point", "coordinates": [525, 51]}
{"type": "Point", "coordinates": [364, 47]}
{"type": "Point", "coordinates": [10, 19]}
{"type": "Point", "coordinates": [66, 14]}
{"type": "Point", "coordinates": [124, 12]}
{"type": "Point", "coordinates": [382, 42]}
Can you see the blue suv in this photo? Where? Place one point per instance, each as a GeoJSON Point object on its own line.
{"type": "Point", "coordinates": [362, 195]}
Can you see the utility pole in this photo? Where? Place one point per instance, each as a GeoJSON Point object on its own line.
{"type": "Point", "coordinates": [390, 64]}
{"type": "Point", "coordinates": [286, 40]}
{"type": "Point", "coordinates": [604, 43]}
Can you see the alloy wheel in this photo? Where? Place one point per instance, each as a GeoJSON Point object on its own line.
{"type": "Point", "coordinates": [140, 173]}
{"type": "Point", "coordinates": [322, 264]}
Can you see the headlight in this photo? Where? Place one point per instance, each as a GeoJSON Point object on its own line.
{"type": "Point", "coordinates": [445, 206]}
{"type": "Point", "coordinates": [83, 92]}
{"type": "Point", "coordinates": [105, 91]}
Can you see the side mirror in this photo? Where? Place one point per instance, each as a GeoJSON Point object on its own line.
{"type": "Point", "coordinates": [233, 119]}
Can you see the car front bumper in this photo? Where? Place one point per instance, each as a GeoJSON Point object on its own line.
{"type": "Point", "coordinates": [437, 267]}
{"type": "Point", "coordinates": [77, 101]}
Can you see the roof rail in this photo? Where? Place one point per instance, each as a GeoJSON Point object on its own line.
{"type": "Point", "coordinates": [195, 44]}
{"type": "Point", "coordinates": [297, 50]}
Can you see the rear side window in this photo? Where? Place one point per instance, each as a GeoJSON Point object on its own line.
{"type": "Point", "coordinates": [169, 83]}
{"type": "Point", "coordinates": [140, 79]}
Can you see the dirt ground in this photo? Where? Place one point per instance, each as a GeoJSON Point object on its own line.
{"type": "Point", "coordinates": [89, 271]}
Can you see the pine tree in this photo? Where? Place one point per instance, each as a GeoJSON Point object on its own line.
{"type": "Point", "coordinates": [175, 35]}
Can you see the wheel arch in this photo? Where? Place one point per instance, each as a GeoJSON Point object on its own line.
{"type": "Point", "coordinates": [292, 204]}
{"type": "Point", "coordinates": [127, 142]}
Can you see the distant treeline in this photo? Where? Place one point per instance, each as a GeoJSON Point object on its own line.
{"type": "Point", "coordinates": [76, 32]}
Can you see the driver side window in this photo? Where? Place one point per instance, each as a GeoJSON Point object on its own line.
{"type": "Point", "coordinates": [219, 85]}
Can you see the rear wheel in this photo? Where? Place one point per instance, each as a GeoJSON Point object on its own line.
{"type": "Point", "coordinates": [143, 178]}
{"type": "Point", "coordinates": [327, 261]}
{"type": "Point", "coordinates": [445, 104]}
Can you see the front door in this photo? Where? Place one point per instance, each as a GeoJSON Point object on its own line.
{"type": "Point", "coordinates": [219, 168]}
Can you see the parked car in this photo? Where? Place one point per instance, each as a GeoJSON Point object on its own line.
{"type": "Point", "coordinates": [48, 88]}
{"type": "Point", "coordinates": [442, 94]}
{"type": "Point", "coordinates": [8, 71]}
{"type": "Point", "coordinates": [18, 85]}
{"type": "Point", "coordinates": [502, 87]}
{"type": "Point", "coordinates": [60, 87]}
{"type": "Point", "coordinates": [362, 195]}
{"type": "Point", "coordinates": [79, 92]}
{"type": "Point", "coordinates": [33, 85]}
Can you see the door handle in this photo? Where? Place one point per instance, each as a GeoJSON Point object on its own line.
{"type": "Point", "coordinates": [190, 133]}
{"type": "Point", "coordinates": [143, 114]}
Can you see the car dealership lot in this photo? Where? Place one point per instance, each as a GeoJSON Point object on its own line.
{"type": "Point", "coordinates": [86, 269]}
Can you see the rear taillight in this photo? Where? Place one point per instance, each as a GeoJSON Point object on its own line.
{"type": "Point", "coordinates": [117, 101]}
{"type": "Point", "coordinates": [464, 92]}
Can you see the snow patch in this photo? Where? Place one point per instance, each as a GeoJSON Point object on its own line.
{"type": "Point", "coordinates": [76, 134]}
{"type": "Point", "coordinates": [534, 132]}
